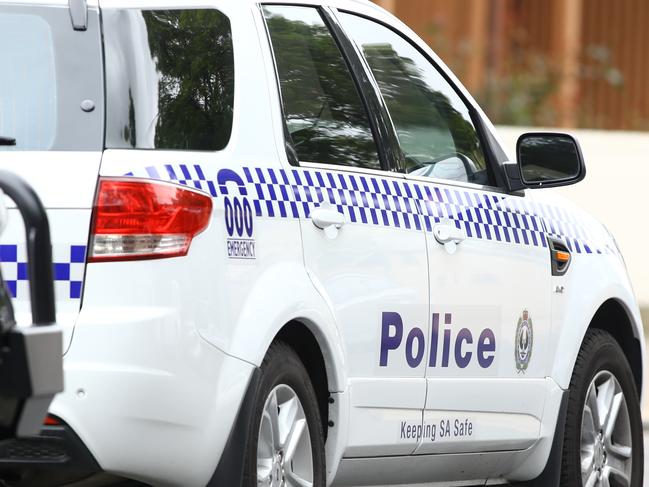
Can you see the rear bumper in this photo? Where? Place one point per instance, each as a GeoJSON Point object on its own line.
{"type": "Point", "coordinates": [151, 400]}
{"type": "Point", "coordinates": [56, 456]}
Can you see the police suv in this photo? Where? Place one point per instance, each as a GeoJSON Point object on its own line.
{"type": "Point", "coordinates": [289, 250]}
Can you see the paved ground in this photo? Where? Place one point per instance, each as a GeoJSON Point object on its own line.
{"type": "Point", "coordinates": [646, 458]}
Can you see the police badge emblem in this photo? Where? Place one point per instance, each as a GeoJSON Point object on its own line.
{"type": "Point", "coordinates": [524, 342]}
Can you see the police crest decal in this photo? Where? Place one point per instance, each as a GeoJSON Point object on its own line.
{"type": "Point", "coordinates": [523, 343]}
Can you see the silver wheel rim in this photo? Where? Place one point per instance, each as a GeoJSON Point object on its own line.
{"type": "Point", "coordinates": [284, 451]}
{"type": "Point", "coordinates": [605, 434]}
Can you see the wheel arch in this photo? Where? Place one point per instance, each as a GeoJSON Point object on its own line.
{"type": "Point", "coordinates": [298, 335]}
{"type": "Point", "coordinates": [613, 316]}
{"type": "Point", "coordinates": [284, 304]}
{"type": "Point", "coordinates": [311, 344]}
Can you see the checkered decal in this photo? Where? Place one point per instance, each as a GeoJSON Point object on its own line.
{"type": "Point", "coordinates": [69, 263]}
{"type": "Point", "coordinates": [183, 174]}
{"type": "Point", "coordinates": [393, 202]}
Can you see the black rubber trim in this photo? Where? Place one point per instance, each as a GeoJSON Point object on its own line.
{"type": "Point", "coordinates": [387, 142]}
{"type": "Point", "coordinates": [231, 465]}
{"type": "Point", "coordinates": [551, 475]}
{"type": "Point", "coordinates": [57, 456]}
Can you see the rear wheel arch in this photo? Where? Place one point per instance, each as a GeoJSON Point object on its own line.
{"type": "Point", "coordinates": [299, 336]}
{"type": "Point", "coordinates": [613, 317]}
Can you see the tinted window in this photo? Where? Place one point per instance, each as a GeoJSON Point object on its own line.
{"type": "Point", "coordinates": [48, 70]}
{"type": "Point", "coordinates": [434, 127]}
{"type": "Point", "coordinates": [324, 113]}
{"type": "Point", "coordinates": [170, 79]}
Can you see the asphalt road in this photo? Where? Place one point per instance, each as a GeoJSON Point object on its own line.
{"type": "Point", "coordinates": [646, 457]}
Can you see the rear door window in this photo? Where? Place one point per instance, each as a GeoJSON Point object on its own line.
{"type": "Point", "coordinates": [325, 116]}
{"type": "Point", "coordinates": [51, 86]}
{"type": "Point", "coordinates": [170, 79]}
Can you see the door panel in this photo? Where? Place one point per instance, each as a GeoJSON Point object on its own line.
{"type": "Point", "coordinates": [373, 272]}
{"type": "Point", "coordinates": [374, 275]}
{"type": "Point", "coordinates": [494, 295]}
{"type": "Point", "coordinates": [364, 248]}
{"type": "Point", "coordinates": [489, 283]}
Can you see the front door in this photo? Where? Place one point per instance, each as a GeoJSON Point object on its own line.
{"type": "Point", "coordinates": [488, 261]}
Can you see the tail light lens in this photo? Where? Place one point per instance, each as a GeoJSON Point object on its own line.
{"type": "Point", "coordinates": [137, 219]}
{"type": "Point", "coordinates": [51, 421]}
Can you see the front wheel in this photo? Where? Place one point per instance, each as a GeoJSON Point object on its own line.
{"type": "Point", "coordinates": [603, 436]}
{"type": "Point", "coordinates": [286, 448]}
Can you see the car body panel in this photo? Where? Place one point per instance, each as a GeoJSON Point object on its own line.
{"type": "Point", "coordinates": [160, 357]}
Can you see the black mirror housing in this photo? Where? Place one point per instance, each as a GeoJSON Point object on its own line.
{"type": "Point", "coordinates": [546, 160]}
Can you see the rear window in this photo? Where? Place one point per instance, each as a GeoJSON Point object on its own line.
{"type": "Point", "coordinates": [170, 79]}
{"type": "Point", "coordinates": [50, 73]}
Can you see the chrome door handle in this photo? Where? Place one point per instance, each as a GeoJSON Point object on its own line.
{"type": "Point", "coordinates": [447, 234]}
{"type": "Point", "coordinates": [326, 217]}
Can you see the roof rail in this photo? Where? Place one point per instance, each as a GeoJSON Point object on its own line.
{"type": "Point", "coordinates": [79, 14]}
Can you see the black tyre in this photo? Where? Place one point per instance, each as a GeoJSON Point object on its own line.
{"type": "Point", "coordinates": [603, 442]}
{"type": "Point", "coordinates": [286, 441]}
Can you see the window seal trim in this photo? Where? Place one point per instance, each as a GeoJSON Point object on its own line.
{"type": "Point", "coordinates": [406, 177]}
{"type": "Point", "coordinates": [353, 169]}
{"type": "Point", "coordinates": [490, 155]}
{"type": "Point", "coordinates": [385, 140]}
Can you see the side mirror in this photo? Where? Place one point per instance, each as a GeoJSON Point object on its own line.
{"type": "Point", "coordinates": [546, 160]}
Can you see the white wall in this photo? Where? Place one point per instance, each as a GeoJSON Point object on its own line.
{"type": "Point", "coordinates": [616, 190]}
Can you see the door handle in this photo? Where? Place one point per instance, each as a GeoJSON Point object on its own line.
{"type": "Point", "coordinates": [326, 217]}
{"type": "Point", "coordinates": [447, 234]}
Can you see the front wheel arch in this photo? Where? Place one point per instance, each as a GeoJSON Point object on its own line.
{"type": "Point", "coordinates": [613, 317]}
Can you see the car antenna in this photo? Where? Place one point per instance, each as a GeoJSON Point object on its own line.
{"type": "Point", "coordinates": [79, 14]}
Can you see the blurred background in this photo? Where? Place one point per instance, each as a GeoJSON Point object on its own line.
{"type": "Point", "coordinates": [579, 66]}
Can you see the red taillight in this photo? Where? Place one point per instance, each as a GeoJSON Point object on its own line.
{"type": "Point", "coordinates": [141, 219]}
{"type": "Point", "coordinates": [51, 421]}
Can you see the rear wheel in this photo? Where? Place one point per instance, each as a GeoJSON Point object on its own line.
{"type": "Point", "coordinates": [287, 446]}
{"type": "Point", "coordinates": [603, 435]}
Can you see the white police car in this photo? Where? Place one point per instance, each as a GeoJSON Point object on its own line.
{"type": "Point", "coordinates": [290, 250]}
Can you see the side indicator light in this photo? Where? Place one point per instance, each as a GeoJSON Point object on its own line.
{"type": "Point", "coordinates": [560, 256]}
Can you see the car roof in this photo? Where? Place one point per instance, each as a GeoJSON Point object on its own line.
{"type": "Point", "coordinates": [342, 4]}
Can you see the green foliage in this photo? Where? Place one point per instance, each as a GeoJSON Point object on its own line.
{"type": "Point", "coordinates": [194, 57]}
{"type": "Point", "coordinates": [425, 118]}
{"type": "Point", "coordinates": [324, 111]}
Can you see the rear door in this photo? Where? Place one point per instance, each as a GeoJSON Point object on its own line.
{"type": "Point", "coordinates": [363, 242]}
{"type": "Point", "coordinates": [51, 104]}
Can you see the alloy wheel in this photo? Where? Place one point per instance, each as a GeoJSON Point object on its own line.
{"type": "Point", "coordinates": [606, 445]}
{"type": "Point", "coordinates": [284, 450]}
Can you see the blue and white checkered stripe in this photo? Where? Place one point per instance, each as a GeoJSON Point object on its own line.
{"type": "Point", "coordinates": [69, 266]}
{"type": "Point", "coordinates": [185, 174]}
{"type": "Point", "coordinates": [398, 203]}
{"type": "Point", "coordinates": [482, 215]}
{"type": "Point", "coordinates": [363, 199]}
